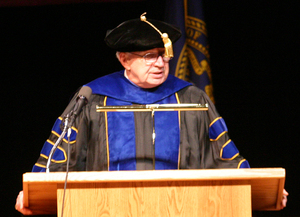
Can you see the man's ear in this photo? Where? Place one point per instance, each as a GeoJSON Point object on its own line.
{"type": "Point", "coordinates": [124, 60]}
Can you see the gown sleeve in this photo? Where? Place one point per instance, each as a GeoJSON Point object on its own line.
{"type": "Point", "coordinates": [205, 142]}
{"type": "Point", "coordinates": [88, 151]}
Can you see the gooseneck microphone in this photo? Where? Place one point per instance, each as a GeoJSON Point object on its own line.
{"type": "Point", "coordinates": [82, 99]}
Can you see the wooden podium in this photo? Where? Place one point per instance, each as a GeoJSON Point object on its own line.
{"type": "Point", "coordinates": [160, 193]}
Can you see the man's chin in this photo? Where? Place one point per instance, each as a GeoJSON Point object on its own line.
{"type": "Point", "coordinates": [154, 84]}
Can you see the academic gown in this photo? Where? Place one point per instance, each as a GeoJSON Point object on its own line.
{"type": "Point", "coordinates": [107, 141]}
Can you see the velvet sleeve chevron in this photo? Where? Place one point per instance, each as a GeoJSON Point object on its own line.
{"type": "Point", "coordinates": [59, 155]}
{"type": "Point", "coordinates": [58, 162]}
{"type": "Point", "coordinates": [87, 142]}
{"type": "Point", "coordinates": [227, 152]}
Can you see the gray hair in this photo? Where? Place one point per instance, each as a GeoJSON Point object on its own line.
{"type": "Point", "coordinates": [118, 55]}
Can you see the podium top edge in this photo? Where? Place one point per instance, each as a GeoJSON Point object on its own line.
{"type": "Point", "coordinates": [157, 175]}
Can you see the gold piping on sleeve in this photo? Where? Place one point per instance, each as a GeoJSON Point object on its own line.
{"type": "Point", "coordinates": [179, 120]}
{"type": "Point", "coordinates": [40, 165]}
{"type": "Point", "coordinates": [60, 148]}
{"type": "Point", "coordinates": [73, 128]}
{"type": "Point", "coordinates": [221, 152]}
{"type": "Point", "coordinates": [213, 140]}
{"type": "Point", "coordinates": [221, 133]}
{"type": "Point", "coordinates": [215, 121]}
{"type": "Point", "coordinates": [56, 134]}
{"type": "Point", "coordinates": [240, 163]}
{"type": "Point", "coordinates": [106, 132]}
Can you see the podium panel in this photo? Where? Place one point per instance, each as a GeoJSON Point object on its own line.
{"type": "Point", "coordinates": [159, 199]}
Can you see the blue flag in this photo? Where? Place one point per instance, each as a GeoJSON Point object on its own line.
{"type": "Point", "coordinates": [191, 56]}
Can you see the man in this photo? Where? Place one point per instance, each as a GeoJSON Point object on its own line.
{"type": "Point", "coordinates": [142, 140]}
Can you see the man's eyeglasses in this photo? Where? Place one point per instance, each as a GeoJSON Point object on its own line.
{"type": "Point", "coordinates": [152, 57]}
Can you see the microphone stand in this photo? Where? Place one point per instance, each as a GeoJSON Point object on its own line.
{"type": "Point", "coordinates": [58, 141]}
{"type": "Point", "coordinates": [153, 138]}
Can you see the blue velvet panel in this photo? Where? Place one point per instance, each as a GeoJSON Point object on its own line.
{"type": "Point", "coordinates": [217, 129]}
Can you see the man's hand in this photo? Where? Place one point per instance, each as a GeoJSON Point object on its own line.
{"type": "Point", "coordinates": [20, 205]}
{"type": "Point", "coordinates": [284, 198]}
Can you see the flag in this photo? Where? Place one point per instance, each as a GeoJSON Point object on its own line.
{"type": "Point", "coordinates": [191, 55]}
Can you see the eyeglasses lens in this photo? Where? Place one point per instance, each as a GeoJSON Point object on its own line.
{"type": "Point", "coordinates": [152, 57]}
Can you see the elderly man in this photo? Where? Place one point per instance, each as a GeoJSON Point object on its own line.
{"type": "Point", "coordinates": [125, 140]}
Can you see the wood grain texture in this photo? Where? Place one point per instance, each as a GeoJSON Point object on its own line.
{"type": "Point", "coordinates": [216, 198]}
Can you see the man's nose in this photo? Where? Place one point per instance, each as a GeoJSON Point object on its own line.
{"type": "Point", "coordinates": [160, 61]}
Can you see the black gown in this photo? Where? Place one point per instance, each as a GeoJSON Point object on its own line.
{"type": "Point", "coordinates": [202, 136]}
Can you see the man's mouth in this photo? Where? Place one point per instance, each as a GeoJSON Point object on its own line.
{"type": "Point", "coordinates": [157, 74]}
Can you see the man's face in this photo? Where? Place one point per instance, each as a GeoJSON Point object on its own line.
{"type": "Point", "coordinates": [147, 74]}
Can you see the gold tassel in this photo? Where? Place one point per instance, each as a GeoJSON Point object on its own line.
{"type": "Point", "coordinates": [165, 37]}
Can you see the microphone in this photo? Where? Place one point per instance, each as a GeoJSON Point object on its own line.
{"type": "Point", "coordinates": [82, 99]}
